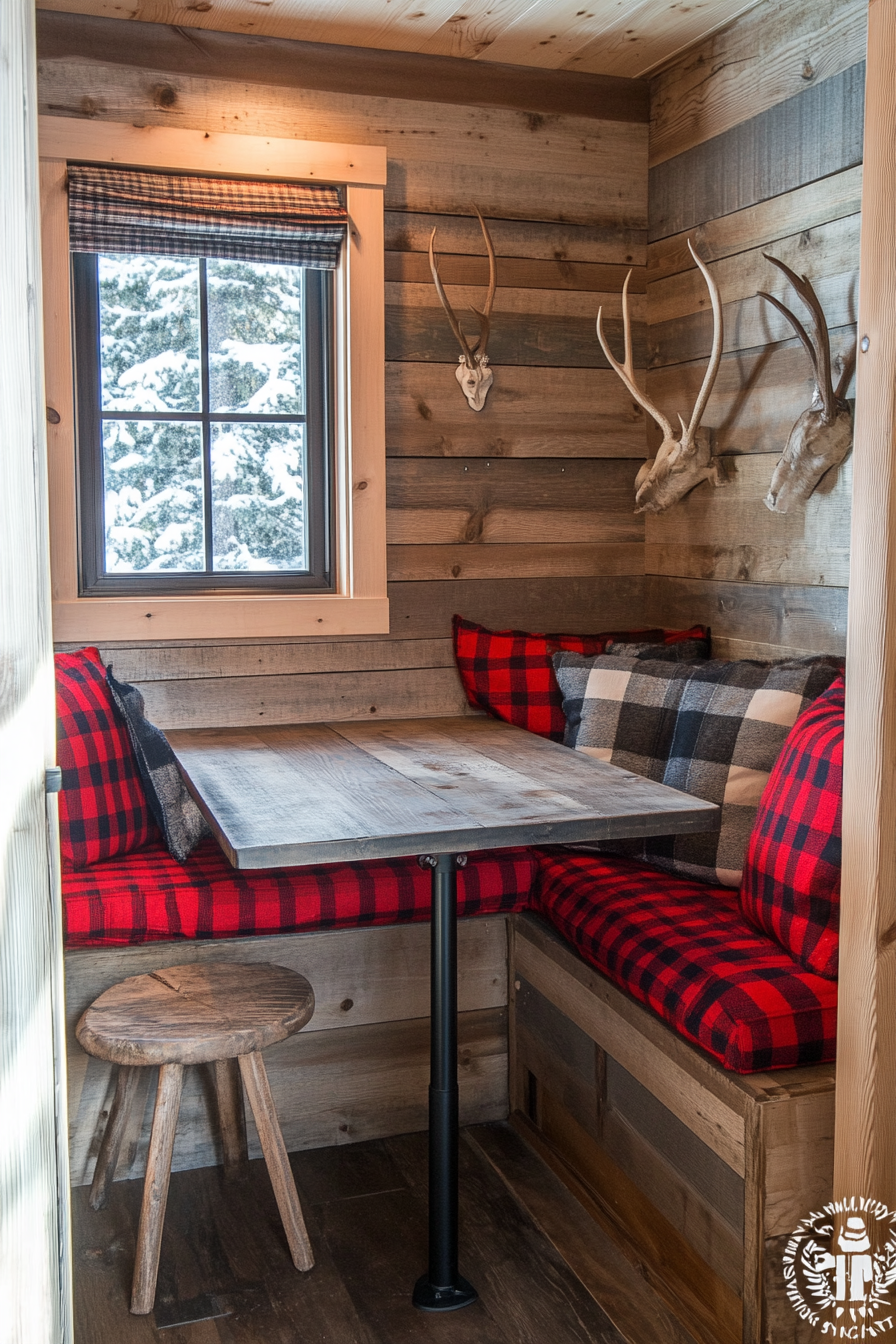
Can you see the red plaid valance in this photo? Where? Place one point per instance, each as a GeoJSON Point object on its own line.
{"type": "Point", "coordinates": [132, 210]}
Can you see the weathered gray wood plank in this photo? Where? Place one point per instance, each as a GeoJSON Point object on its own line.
{"type": "Point", "coordinates": [305, 698]}
{"type": "Point", "coordinates": [791, 615]}
{"type": "Point", "coordinates": [563, 243]}
{"type": "Point", "coordinates": [811, 135]}
{"type": "Point", "coordinates": [515, 338]}
{"type": "Point", "coordinates": [530, 412]}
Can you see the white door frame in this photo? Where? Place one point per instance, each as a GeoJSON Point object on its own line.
{"type": "Point", "coordinates": [35, 1245]}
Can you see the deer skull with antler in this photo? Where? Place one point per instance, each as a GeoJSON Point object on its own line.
{"type": "Point", "coordinates": [472, 372]}
{"type": "Point", "coordinates": [822, 436]}
{"type": "Point", "coordinates": [685, 460]}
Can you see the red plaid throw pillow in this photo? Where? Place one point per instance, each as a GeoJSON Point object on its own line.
{"type": "Point", "coordinates": [102, 807]}
{"type": "Point", "coordinates": [791, 882]}
{"type": "Point", "coordinates": [508, 673]}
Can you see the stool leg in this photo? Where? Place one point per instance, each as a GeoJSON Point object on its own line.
{"type": "Point", "coordinates": [232, 1117]}
{"type": "Point", "coordinates": [155, 1189]}
{"type": "Point", "coordinates": [258, 1090]}
{"type": "Point", "coordinates": [126, 1086]}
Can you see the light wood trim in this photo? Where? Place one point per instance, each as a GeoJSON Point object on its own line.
{"type": "Point", "coordinates": [360, 604]}
{"type": "Point", "coordinates": [210, 152]}
{"type": "Point", "coordinates": [865, 1131]}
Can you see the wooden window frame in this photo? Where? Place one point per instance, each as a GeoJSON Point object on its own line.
{"type": "Point", "coordinates": [358, 605]}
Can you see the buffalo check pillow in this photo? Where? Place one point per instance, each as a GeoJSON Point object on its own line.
{"type": "Point", "coordinates": [508, 673]}
{"type": "Point", "coordinates": [791, 884]}
{"type": "Point", "coordinates": [712, 729]}
{"type": "Point", "coordinates": [103, 810]}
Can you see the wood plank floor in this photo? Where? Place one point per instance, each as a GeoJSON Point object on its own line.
{"type": "Point", "coordinates": [225, 1276]}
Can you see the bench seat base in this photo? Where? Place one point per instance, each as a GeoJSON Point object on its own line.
{"type": "Point", "coordinates": [700, 1174]}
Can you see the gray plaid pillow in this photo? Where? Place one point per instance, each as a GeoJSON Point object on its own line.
{"type": "Point", "coordinates": [713, 729]}
{"type": "Point", "coordinates": [170, 802]}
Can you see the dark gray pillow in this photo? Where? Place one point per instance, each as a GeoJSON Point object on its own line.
{"type": "Point", "coordinates": [685, 651]}
{"type": "Point", "coordinates": [170, 801]}
{"type": "Point", "coordinates": [713, 729]}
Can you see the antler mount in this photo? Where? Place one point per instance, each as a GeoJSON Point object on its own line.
{"type": "Point", "coordinates": [684, 459]}
{"type": "Point", "coordinates": [472, 372]}
{"type": "Point", "coordinates": [822, 436]}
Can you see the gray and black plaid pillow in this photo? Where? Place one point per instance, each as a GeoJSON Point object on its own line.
{"type": "Point", "coordinates": [712, 729]}
{"type": "Point", "coordinates": [684, 651]}
{"type": "Point", "coordinates": [170, 802]}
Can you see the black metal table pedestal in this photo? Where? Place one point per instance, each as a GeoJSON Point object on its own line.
{"type": "Point", "coordinates": [442, 1288]}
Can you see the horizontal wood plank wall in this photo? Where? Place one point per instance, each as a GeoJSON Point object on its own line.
{"type": "Point", "coordinates": [756, 146]}
{"type": "Point", "coordinates": [519, 515]}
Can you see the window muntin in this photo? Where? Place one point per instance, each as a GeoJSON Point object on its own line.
{"type": "Point", "coordinates": [204, 424]}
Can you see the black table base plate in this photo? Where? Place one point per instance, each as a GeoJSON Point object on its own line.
{"type": "Point", "coordinates": [430, 1298]}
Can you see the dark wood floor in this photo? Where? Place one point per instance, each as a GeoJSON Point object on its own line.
{"type": "Point", "coordinates": [225, 1267]}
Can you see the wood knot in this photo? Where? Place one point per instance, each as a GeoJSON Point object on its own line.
{"type": "Point", "coordinates": [424, 410]}
{"type": "Point", "coordinates": [347, 1005]}
{"type": "Point", "coordinates": [455, 571]}
{"type": "Point", "coordinates": [475, 525]}
{"type": "Point", "coordinates": [89, 108]}
{"type": "Point", "coordinates": [164, 96]}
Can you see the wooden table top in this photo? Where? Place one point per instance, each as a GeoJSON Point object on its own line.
{"type": "Point", "coordinates": [331, 792]}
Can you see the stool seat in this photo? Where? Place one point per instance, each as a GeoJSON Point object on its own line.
{"type": "Point", "coordinates": [196, 1014]}
{"type": "Point", "coordinates": [219, 1013]}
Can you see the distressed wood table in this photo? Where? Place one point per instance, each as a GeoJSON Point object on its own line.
{"type": "Point", "coordinates": [437, 788]}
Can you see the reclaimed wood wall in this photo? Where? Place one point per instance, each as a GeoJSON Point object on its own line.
{"type": "Point", "coordinates": [520, 515]}
{"type": "Point", "coordinates": [755, 145]}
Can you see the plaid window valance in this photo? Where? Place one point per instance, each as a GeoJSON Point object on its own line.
{"type": "Point", "coordinates": [130, 210]}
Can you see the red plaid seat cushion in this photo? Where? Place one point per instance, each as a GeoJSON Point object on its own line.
{"type": "Point", "coordinates": [791, 882]}
{"type": "Point", "coordinates": [150, 896]}
{"type": "Point", "coordinates": [102, 808]}
{"type": "Point", "coordinates": [686, 951]}
{"type": "Point", "coordinates": [509, 674]}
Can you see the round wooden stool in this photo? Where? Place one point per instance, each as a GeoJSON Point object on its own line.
{"type": "Point", "coordinates": [221, 1013]}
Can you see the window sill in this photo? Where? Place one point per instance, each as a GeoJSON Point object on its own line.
{"type": "Point", "coordinates": [99, 619]}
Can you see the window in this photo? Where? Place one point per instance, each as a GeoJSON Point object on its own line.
{"type": "Point", "coordinates": [219, 469]}
{"type": "Point", "coordinates": [204, 444]}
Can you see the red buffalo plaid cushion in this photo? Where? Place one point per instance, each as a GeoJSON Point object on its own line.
{"type": "Point", "coordinates": [102, 807]}
{"type": "Point", "coordinates": [150, 896]}
{"type": "Point", "coordinates": [508, 673]}
{"type": "Point", "coordinates": [791, 881]}
{"type": "Point", "coordinates": [686, 951]}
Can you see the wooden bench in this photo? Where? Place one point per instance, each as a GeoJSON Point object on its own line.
{"type": "Point", "coordinates": [700, 1174]}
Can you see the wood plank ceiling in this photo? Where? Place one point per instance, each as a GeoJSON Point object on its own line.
{"type": "Point", "coordinates": [617, 37]}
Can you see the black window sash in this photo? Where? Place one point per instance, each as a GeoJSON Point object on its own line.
{"type": "Point", "coordinates": [318, 418]}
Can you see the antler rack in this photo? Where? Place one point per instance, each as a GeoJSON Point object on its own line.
{"type": "Point", "coordinates": [473, 373]}
{"type": "Point", "coordinates": [822, 436]}
{"type": "Point", "coordinates": [683, 462]}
